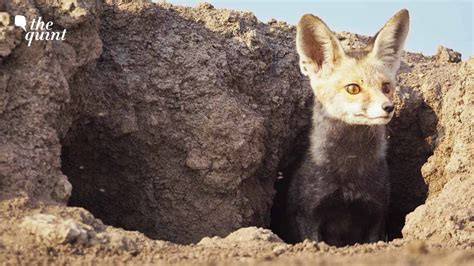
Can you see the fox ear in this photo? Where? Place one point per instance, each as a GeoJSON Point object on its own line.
{"type": "Point", "coordinates": [387, 44]}
{"type": "Point", "coordinates": [317, 46]}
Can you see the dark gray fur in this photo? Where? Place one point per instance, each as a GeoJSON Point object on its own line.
{"type": "Point", "coordinates": [340, 193]}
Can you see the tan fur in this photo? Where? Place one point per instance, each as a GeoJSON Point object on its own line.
{"type": "Point", "coordinates": [330, 69]}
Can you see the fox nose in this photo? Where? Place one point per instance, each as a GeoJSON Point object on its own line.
{"type": "Point", "coordinates": [388, 107]}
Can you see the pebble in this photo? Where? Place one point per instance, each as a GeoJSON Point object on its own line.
{"type": "Point", "coordinates": [278, 250]}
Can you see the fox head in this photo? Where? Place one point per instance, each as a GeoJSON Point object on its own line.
{"type": "Point", "coordinates": [353, 86]}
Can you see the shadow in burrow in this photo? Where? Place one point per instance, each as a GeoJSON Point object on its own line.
{"type": "Point", "coordinates": [100, 166]}
{"type": "Point", "coordinates": [412, 139]}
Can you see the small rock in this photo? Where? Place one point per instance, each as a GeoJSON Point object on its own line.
{"type": "Point", "coordinates": [253, 234]}
{"type": "Point", "coordinates": [447, 55]}
{"type": "Point", "coordinates": [4, 19]}
{"type": "Point", "coordinates": [207, 6]}
{"type": "Point", "coordinates": [272, 21]}
{"type": "Point", "coordinates": [278, 250]}
{"type": "Point", "coordinates": [324, 247]}
{"type": "Point", "coordinates": [381, 244]}
{"type": "Point", "coordinates": [53, 230]}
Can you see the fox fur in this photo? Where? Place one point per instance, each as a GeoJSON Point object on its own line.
{"type": "Point", "coordinates": [340, 192]}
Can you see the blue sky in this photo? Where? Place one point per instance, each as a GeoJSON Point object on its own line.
{"type": "Point", "coordinates": [433, 23]}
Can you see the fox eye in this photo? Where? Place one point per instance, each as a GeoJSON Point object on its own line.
{"type": "Point", "coordinates": [352, 88]}
{"type": "Point", "coordinates": [386, 88]}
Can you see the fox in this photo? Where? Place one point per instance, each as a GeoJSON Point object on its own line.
{"type": "Point", "coordinates": [340, 191]}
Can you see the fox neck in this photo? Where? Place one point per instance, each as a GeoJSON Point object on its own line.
{"type": "Point", "coordinates": [343, 147]}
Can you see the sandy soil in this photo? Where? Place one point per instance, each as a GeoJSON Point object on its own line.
{"type": "Point", "coordinates": [27, 239]}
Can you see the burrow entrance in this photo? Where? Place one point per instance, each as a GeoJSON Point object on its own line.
{"type": "Point", "coordinates": [103, 171]}
{"type": "Point", "coordinates": [99, 169]}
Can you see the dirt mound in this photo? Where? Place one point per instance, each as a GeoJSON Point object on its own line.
{"type": "Point", "coordinates": [446, 218]}
{"type": "Point", "coordinates": [178, 122]}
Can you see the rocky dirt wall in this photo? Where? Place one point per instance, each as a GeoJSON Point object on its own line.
{"type": "Point", "coordinates": [34, 87]}
{"type": "Point", "coordinates": [180, 127]}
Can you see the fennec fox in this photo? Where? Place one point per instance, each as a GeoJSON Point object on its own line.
{"type": "Point", "coordinates": [340, 192]}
